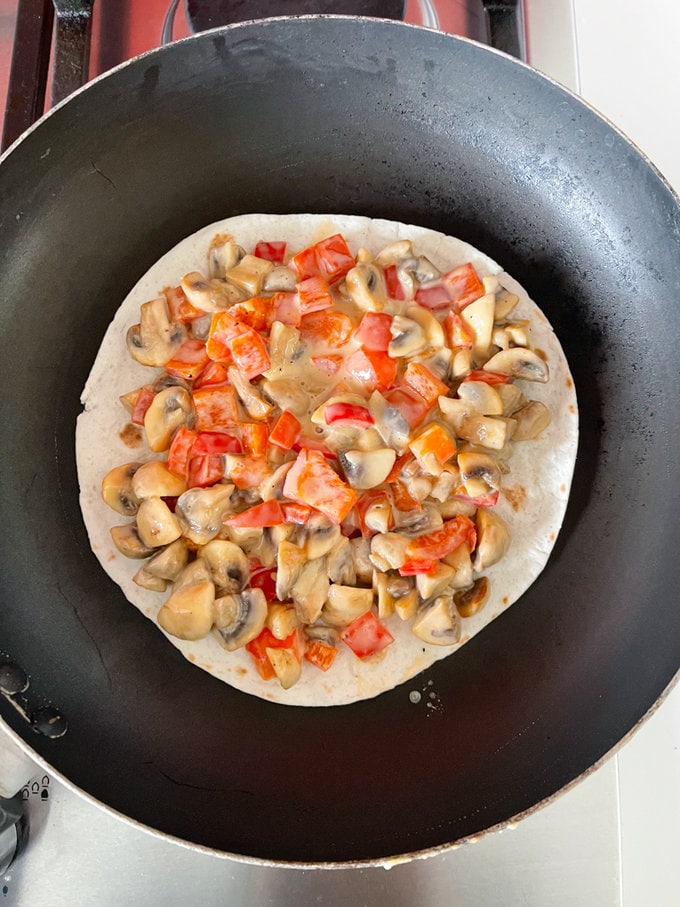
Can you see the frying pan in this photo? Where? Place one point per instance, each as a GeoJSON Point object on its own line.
{"type": "Point", "coordinates": [368, 117]}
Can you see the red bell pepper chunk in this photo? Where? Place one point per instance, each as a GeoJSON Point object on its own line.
{"type": "Point", "coordinates": [263, 578]}
{"type": "Point", "coordinates": [334, 257]}
{"type": "Point", "coordinates": [142, 403]}
{"type": "Point", "coordinates": [180, 450]}
{"type": "Point", "coordinates": [433, 442]}
{"type": "Point", "coordinates": [314, 295]}
{"type": "Point", "coordinates": [347, 412]}
{"type": "Point", "coordinates": [458, 334]}
{"type": "Point", "coordinates": [410, 404]}
{"type": "Point", "coordinates": [213, 373]}
{"type": "Point", "coordinates": [250, 471]}
{"type": "Point", "coordinates": [286, 309]}
{"type": "Point", "coordinates": [295, 513]}
{"type": "Point", "coordinates": [254, 436]}
{"type": "Point", "coordinates": [257, 649]}
{"type": "Point", "coordinates": [304, 443]}
{"type": "Point", "coordinates": [374, 332]}
{"type": "Point", "coordinates": [435, 297]}
{"type": "Point", "coordinates": [189, 360]}
{"type": "Point", "coordinates": [327, 328]}
{"type": "Point", "coordinates": [320, 655]}
{"type": "Point", "coordinates": [204, 470]}
{"type": "Point", "coordinates": [268, 513]}
{"type": "Point", "coordinates": [271, 251]}
{"type": "Point", "coordinates": [179, 307]}
{"type": "Point", "coordinates": [440, 542]}
{"type": "Point", "coordinates": [402, 499]}
{"type": "Point", "coordinates": [250, 354]}
{"type": "Point", "coordinates": [366, 635]}
{"type": "Point", "coordinates": [394, 288]}
{"type": "Point", "coordinates": [286, 431]}
{"type": "Point", "coordinates": [216, 407]}
{"type": "Point", "coordinates": [415, 566]}
{"type": "Point", "coordinates": [482, 500]}
{"type": "Point", "coordinates": [424, 382]}
{"type": "Point", "coordinates": [464, 285]}
{"type": "Point", "coordinates": [375, 370]}
{"type": "Point", "coordinates": [311, 480]}
{"type": "Point", "coordinates": [255, 313]}
{"type": "Point", "coordinates": [492, 378]}
{"type": "Point", "coordinates": [215, 443]}
{"type": "Point", "coordinates": [223, 328]}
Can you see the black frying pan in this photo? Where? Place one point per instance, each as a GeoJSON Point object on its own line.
{"type": "Point", "coordinates": [377, 118]}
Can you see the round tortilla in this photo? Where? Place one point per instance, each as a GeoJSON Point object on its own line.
{"type": "Point", "coordinates": [532, 502]}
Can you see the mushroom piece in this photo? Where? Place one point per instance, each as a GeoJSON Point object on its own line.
{"type": "Point", "coordinates": [155, 479]}
{"type": "Point", "coordinates": [435, 582]}
{"type": "Point", "coordinates": [320, 536]}
{"type": "Point", "coordinates": [438, 623]}
{"type": "Point", "coordinates": [487, 431]}
{"type": "Point", "coordinates": [361, 555]}
{"type": "Point", "coordinates": [225, 253]}
{"type": "Point", "coordinates": [531, 419]}
{"type": "Point", "coordinates": [481, 397]}
{"type": "Point", "coordinates": [395, 593]}
{"type": "Point", "coordinates": [127, 540]}
{"type": "Point", "coordinates": [340, 563]}
{"type": "Point", "coordinates": [461, 363]}
{"type": "Point", "coordinates": [367, 468]}
{"type": "Point", "coordinates": [390, 423]}
{"type": "Point", "coordinates": [395, 253]}
{"type": "Point", "coordinates": [228, 565]}
{"type": "Point", "coordinates": [461, 562]}
{"type": "Point", "coordinates": [512, 398]}
{"type": "Point", "coordinates": [201, 512]}
{"type": "Point", "coordinates": [470, 601]}
{"type": "Point", "coordinates": [279, 279]}
{"type": "Point", "coordinates": [378, 516]}
{"type": "Point", "coordinates": [345, 603]}
{"type": "Point", "coordinates": [249, 274]}
{"type": "Point", "coordinates": [505, 303]}
{"type": "Point", "coordinates": [366, 286]}
{"type": "Point", "coordinates": [156, 523]}
{"type": "Point", "coordinates": [493, 539]}
{"type": "Point", "coordinates": [520, 363]}
{"type": "Point", "coordinates": [188, 613]}
{"type": "Point", "coordinates": [148, 581]}
{"type": "Point", "coordinates": [209, 295]}
{"type": "Point", "coordinates": [169, 409]}
{"type": "Point", "coordinates": [118, 491]}
{"type": "Point", "coordinates": [239, 618]}
{"type": "Point", "coordinates": [284, 347]}
{"type": "Point", "coordinates": [289, 563]}
{"type": "Point", "coordinates": [156, 338]}
{"type": "Point", "coordinates": [287, 665]}
{"type": "Point", "coordinates": [408, 337]}
{"type": "Point", "coordinates": [250, 397]}
{"type": "Point", "coordinates": [169, 563]}
{"type": "Point", "coordinates": [416, 522]}
{"type": "Point", "coordinates": [310, 589]}
{"type": "Point", "coordinates": [434, 332]}
{"type": "Point", "coordinates": [272, 486]}
{"type": "Point", "coordinates": [479, 473]}
{"type": "Point", "coordinates": [390, 548]}
{"type": "Point", "coordinates": [445, 484]}
{"type": "Point", "coordinates": [281, 620]}
{"type": "Point", "coordinates": [479, 317]}
{"type": "Point", "coordinates": [286, 394]}
{"type": "Point", "coordinates": [424, 271]}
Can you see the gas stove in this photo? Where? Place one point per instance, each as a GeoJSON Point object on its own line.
{"type": "Point", "coordinates": [609, 840]}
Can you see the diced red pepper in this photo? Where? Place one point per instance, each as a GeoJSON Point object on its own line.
{"type": "Point", "coordinates": [440, 542]}
{"type": "Point", "coordinates": [223, 328]}
{"type": "Point", "coordinates": [375, 370]}
{"type": "Point", "coordinates": [216, 407]}
{"type": "Point", "coordinates": [320, 655]}
{"type": "Point", "coordinates": [464, 285]}
{"type": "Point", "coordinates": [215, 443]}
{"type": "Point", "coordinates": [311, 480]}
{"type": "Point", "coordinates": [435, 297]}
{"type": "Point", "coordinates": [458, 334]}
{"type": "Point", "coordinates": [285, 308]}
{"type": "Point", "coordinates": [424, 382]}
{"type": "Point", "coordinates": [286, 431]}
{"type": "Point", "coordinates": [395, 289]}
{"type": "Point", "coordinates": [399, 464]}
{"type": "Point", "coordinates": [329, 365]}
{"type": "Point", "coordinates": [331, 329]}
{"type": "Point", "coordinates": [374, 332]}
{"type": "Point", "coordinates": [142, 403]}
{"type": "Point", "coordinates": [403, 500]}
{"type": "Point", "coordinates": [254, 436]}
{"type": "Point", "coordinates": [433, 441]}
{"type": "Point", "coordinates": [250, 471]}
{"type": "Point", "coordinates": [189, 360]}
{"type": "Point", "coordinates": [492, 378]}
{"type": "Point", "coordinates": [179, 307]}
{"type": "Point", "coordinates": [250, 354]}
{"type": "Point", "coordinates": [366, 635]}
{"type": "Point", "coordinates": [268, 513]}
{"type": "Point", "coordinates": [180, 450]}
{"type": "Point", "coordinates": [482, 500]}
{"type": "Point", "coordinates": [304, 443]}
{"type": "Point", "coordinates": [409, 403]}
{"type": "Point", "coordinates": [295, 513]}
{"type": "Point", "coordinates": [263, 578]}
{"type": "Point", "coordinates": [271, 251]}
{"type": "Point", "coordinates": [415, 566]}
{"type": "Point", "coordinates": [334, 257]}
{"type": "Point", "coordinates": [204, 470]}
{"type": "Point", "coordinates": [255, 313]}
{"type": "Point", "coordinates": [314, 295]}
{"type": "Point", "coordinates": [213, 373]}
{"type": "Point", "coordinates": [347, 412]}
{"type": "Point", "coordinates": [257, 648]}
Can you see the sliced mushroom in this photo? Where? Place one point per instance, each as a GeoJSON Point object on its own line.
{"type": "Point", "coordinates": [424, 271]}
{"type": "Point", "coordinates": [470, 601]}
{"type": "Point", "coordinates": [239, 618]}
{"type": "Point", "coordinates": [513, 333]}
{"type": "Point", "coordinates": [281, 620]}
{"type": "Point", "coordinates": [366, 286]}
{"type": "Point", "coordinates": [493, 539]}
{"type": "Point", "coordinates": [249, 274]}
{"type": "Point", "coordinates": [286, 394]}
{"type": "Point", "coordinates": [284, 347]}
{"type": "Point", "coordinates": [155, 479]}
{"type": "Point", "coordinates": [435, 582]}
{"type": "Point", "coordinates": [378, 516]}
{"type": "Point", "coordinates": [391, 548]}
{"type": "Point", "coordinates": [416, 522]}
{"type": "Point", "coordinates": [156, 523]}
{"type": "Point", "coordinates": [310, 589]}
{"type": "Point", "coordinates": [290, 561]}
{"type": "Point", "coordinates": [169, 563]}
{"type": "Point", "coordinates": [250, 397]}
{"type": "Point", "coordinates": [438, 623]}
{"type": "Point", "coordinates": [434, 332]}
{"type": "Point", "coordinates": [188, 613]}
{"type": "Point", "coordinates": [320, 536]}
{"type": "Point", "coordinates": [408, 337]}
{"type": "Point", "coordinates": [127, 540]}
{"type": "Point", "coordinates": [520, 363]}
{"type": "Point", "coordinates": [439, 362]}
{"type": "Point", "coordinates": [279, 280]}
{"type": "Point", "coordinates": [531, 419]}
{"type": "Point", "coordinates": [209, 295]}
{"type": "Point", "coordinates": [487, 431]}
{"type": "Point", "coordinates": [479, 317]}
{"type": "Point", "coordinates": [512, 398]}
{"type": "Point", "coordinates": [156, 338]}
{"type": "Point", "coordinates": [367, 468]}
{"type": "Point", "coordinates": [322, 633]}
{"type": "Point", "coordinates": [390, 423]}
{"type": "Point", "coordinates": [201, 512]}
{"type": "Point", "coordinates": [491, 284]}
{"type": "Point", "coordinates": [361, 555]}
{"type": "Point", "coordinates": [118, 491]}
{"type": "Point", "coordinates": [461, 363]}
{"type": "Point", "coordinates": [148, 581]}
{"type": "Point", "coordinates": [445, 483]}
{"type": "Point", "coordinates": [481, 397]}
{"type": "Point", "coordinates": [169, 409]}
{"type": "Point", "coordinates": [505, 303]}
{"type": "Point", "coordinates": [345, 604]}
{"type": "Point", "coordinates": [228, 564]}
{"type": "Point", "coordinates": [395, 593]}
{"type": "Point", "coordinates": [395, 253]}
{"type": "Point", "coordinates": [340, 563]}
{"type": "Point", "coordinates": [225, 253]}
{"type": "Point", "coordinates": [479, 473]}
{"type": "Point", "coordinates": [461, 562]}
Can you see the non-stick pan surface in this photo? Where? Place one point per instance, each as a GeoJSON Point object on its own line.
{"type": "Point", "coordinates": [376, 118]}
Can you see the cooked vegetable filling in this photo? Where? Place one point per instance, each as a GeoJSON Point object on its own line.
{"type": "Point", "coordinates": [327, 437]}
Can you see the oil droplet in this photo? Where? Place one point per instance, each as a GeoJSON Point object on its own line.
{"type": "Point", "coordinates": [414, 696]}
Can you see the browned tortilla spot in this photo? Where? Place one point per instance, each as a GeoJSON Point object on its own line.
{"type": "Point", "coordinates": [516, 496]}
{"type": "Point", "coordinates": [131, 435]}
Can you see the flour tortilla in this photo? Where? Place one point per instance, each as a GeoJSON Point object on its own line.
{"type": "Point", "coordinates": [533, 501]}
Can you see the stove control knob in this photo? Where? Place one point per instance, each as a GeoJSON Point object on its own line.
{"type": "Point", "coordinates": [13, 831]}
